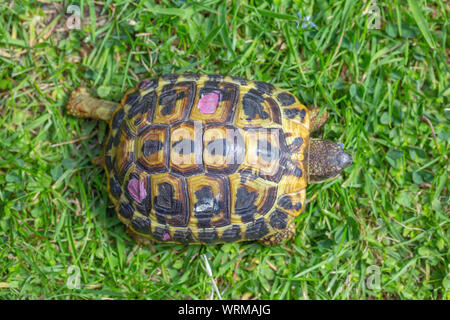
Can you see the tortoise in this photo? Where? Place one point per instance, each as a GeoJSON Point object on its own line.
{"type": "Point", "coordinates": [209, 158]}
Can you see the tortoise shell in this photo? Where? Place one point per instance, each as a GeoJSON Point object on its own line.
{"type": "Point", "coordinates": [207, 159]}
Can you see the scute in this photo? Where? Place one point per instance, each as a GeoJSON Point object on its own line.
{"type": "Point", "coordinates": [186, 149]}
{"type": "Point", "coordinates": [227, 96]}
{"type": "Point", "coordinates": [256, 110]}
{"type": "Point", "coordinates": [257, 229]}
{"type": "Point", "coordinates": [174, 101]}
{"type": "Point", "coordinates": [207, 159]}
{"type": "Point", "coordinates": [224, 149]}
{"type": "Point", "coordinates": [252, 197]}
{"type": "Point", "coordinates": [169, 200]}
{"type": "Point", "coordinates": [208, 201]}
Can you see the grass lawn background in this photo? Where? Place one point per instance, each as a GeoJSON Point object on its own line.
{"type": "Point", "coordinates": [386, 91]}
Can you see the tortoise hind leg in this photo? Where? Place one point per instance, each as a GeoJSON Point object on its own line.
{"type": "Point", "coordinates": [143, 241]}
{"type": "Point", "coordinates": [82, 104]}
{"type": "Point", "coordinates": [279, 237]}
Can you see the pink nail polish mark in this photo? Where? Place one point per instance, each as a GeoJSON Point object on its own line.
{"type": "Point", "coordinates": [209, 102]}
{"type": "Point", "coordinates": [137, 189]}
{"type": "Point", "coordinates": [166, 236]}
{"type": "Point", "coordinates": [148, 83]}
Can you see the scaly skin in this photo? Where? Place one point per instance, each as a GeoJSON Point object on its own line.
{"type": "Point", "coordinates": [279, 237]}
{"type": "Point", "coordinates": [316, 122]}
{"type": "Point", "coordinates": [83, 105]}
{"type": "Point", "coordinates": [326, 160]}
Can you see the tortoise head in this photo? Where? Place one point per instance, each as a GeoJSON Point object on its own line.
{"type": "Point", "coordinates": [326, 160]}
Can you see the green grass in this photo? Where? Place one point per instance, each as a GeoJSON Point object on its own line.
{"type": "Point", "coordinates": [386, 91]}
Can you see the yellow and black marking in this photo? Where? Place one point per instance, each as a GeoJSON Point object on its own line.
{"type": "Point", "coordinates": [208, 195]}
{"type": "Point", "coordinates": [167, 168]}
{"type": "Point", "coordinates": [223, 149]}
{"type": "Point", "coordinates": [152, 148]}
{"type": "Point", "coordinates": [186, 149]}
{"type": "Point", "coordinates": [228, 96]}
{"type": "Point", "coordinates": [170, 200]}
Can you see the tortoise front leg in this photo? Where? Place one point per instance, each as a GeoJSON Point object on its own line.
{"type": "Point", "coordinates": [82, 104]}
{"type": "Point", "coordinates": [99, 161]}
{"type": "Point", "coordinates": [316, 121]}
{"type": "Point", "coordinates": [279, 237]}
